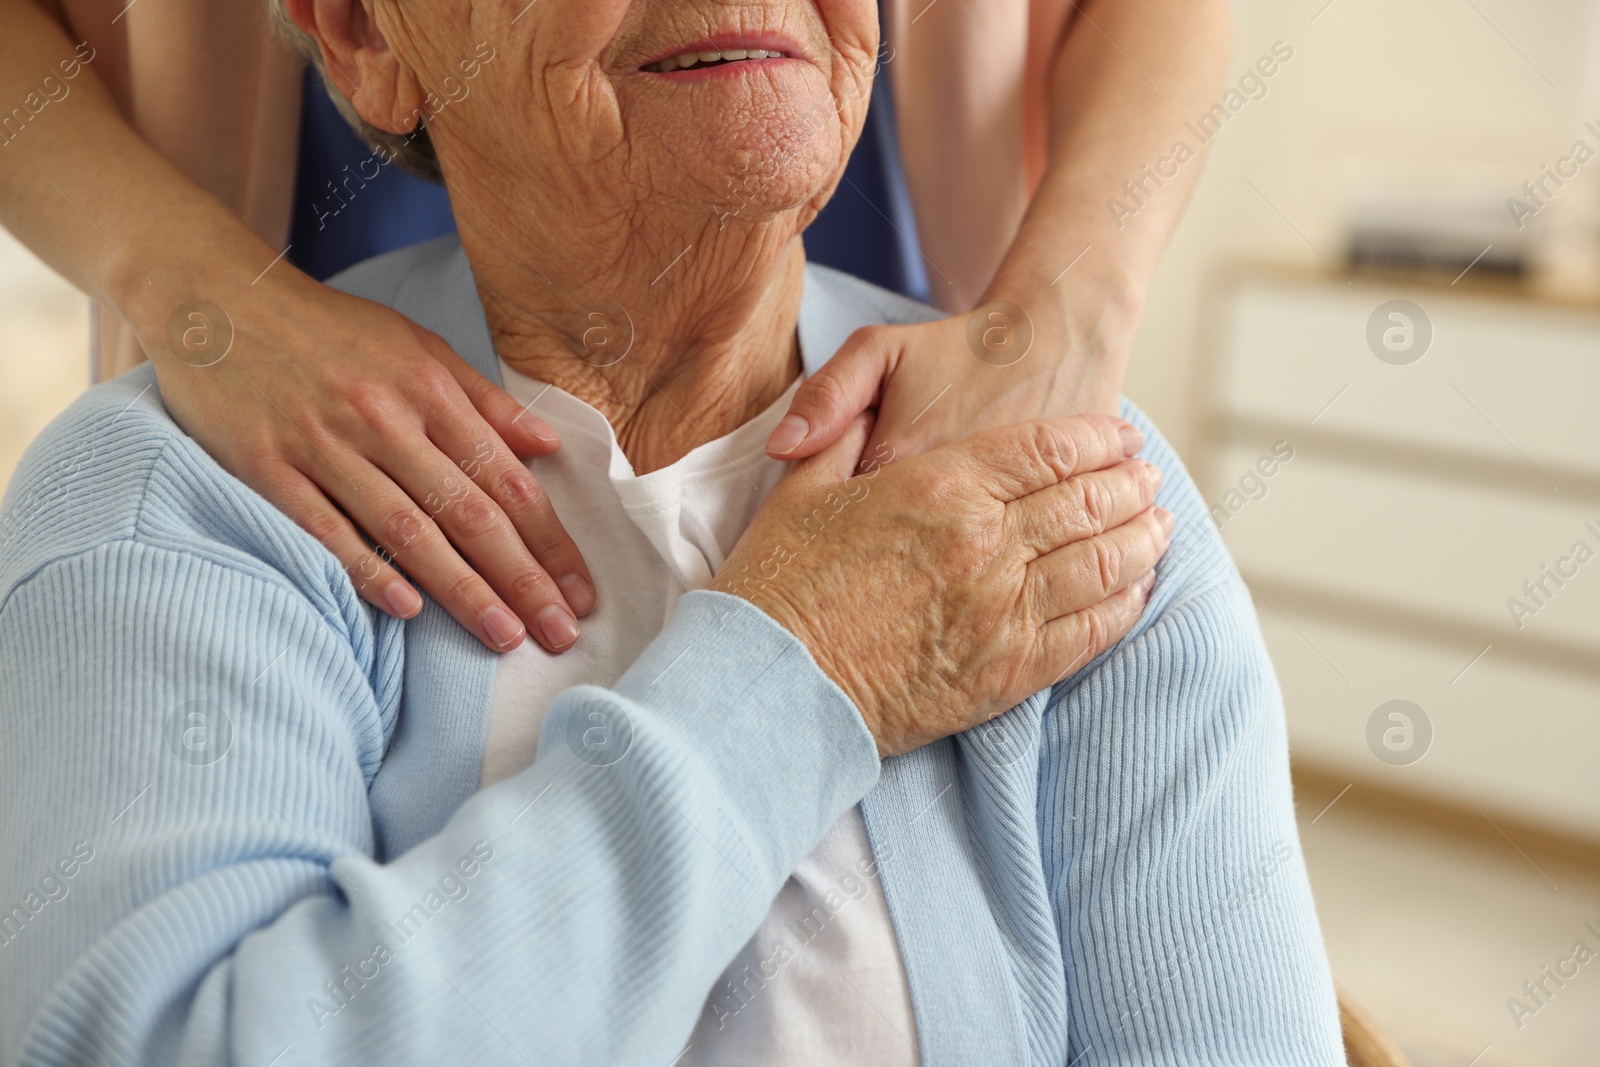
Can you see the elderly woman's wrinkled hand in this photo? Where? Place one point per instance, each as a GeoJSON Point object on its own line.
{"type": "Point", "coordinates": [943, 589]}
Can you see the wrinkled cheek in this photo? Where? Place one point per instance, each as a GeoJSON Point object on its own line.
{"type": "Point", "coordinates": [546, 75]}
{"type": "Point", "coordinates": [852, 23]}
{"type": "Point", "coordinates": [581, 108]}
{"type": "Point", "coordinates": [850, 112]}
{"type": "Point", "coordinates": [564, 115]}
{"type": "Point", "coordinates": [851, 93]}
{"type": "Point", "coordinates": [557, 32]}
{"type": "Point", "coordinates": [852, 28]}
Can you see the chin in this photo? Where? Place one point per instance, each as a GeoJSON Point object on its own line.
{"type": "Point", "coordinates": [747, 144]}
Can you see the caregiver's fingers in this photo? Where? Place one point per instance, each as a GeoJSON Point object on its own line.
{"type": "Point", "coordinates": [1067, 644]}
{"type": "Point", "coordinates": [408, 536]}
{"type": "Point", "coordinates": [1081, 575]}
{"type": "Point", "coordinates": [526, 434]}
{"type": "Point", "coordinates": [472, 550]}
{"type": "Point", "coordinates": [827, 402]}
{"type": "Point", "coordinates": [841, 460]}
{"type": "Point", "coordinates": [1084, 505]}
{"type": "Point", "coordinates": [378, 583]}
{"type": "Point", "coordinates": [518, 496]}
{"type": "Point", "coordinates": [1013, 461]}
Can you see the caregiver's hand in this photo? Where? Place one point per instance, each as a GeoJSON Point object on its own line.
{"type": "Point", "coordinates": [940, 590]}
{"type": "Point", "coordinates": [937, 382]}
{"type": "Point", "coordinates": [336, 409]}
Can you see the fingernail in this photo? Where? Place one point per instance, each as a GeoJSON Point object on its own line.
{"type": "Point", "coordinates": [1165, 518]}
{"type": "Point", "coordinates": [579, 593]}
{"type": "Point", "coordinates": [557, 625]}
{"type": "Point", "coordinates": [1147, 583]}
{"type": "Point", "coordinates": [501, 626]}
{"type": "Point", "coordinates": [1152, 473]}
{"type": "Point", "coordinates": [789, 434]}
{"type": "Point", "coordinates": [540, 429]}
{"type": "Point", "coordinates": [1132, 440]}
{"type": "Point", "coordinates": [402, 599]}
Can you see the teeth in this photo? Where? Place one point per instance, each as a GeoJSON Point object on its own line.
{"type": "Point", "coordinates": [689, 59]}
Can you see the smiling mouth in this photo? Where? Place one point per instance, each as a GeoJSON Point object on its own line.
{"type": "Point", "coordinates": [706, 60]}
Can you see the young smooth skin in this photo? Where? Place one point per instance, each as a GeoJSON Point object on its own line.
{"type": "Point", "coordinates": [1126, 76]}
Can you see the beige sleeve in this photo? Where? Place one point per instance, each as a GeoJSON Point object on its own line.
{"type": "Point", "coordinates": [213, 87]}
{"type": "Point", "coordinates": [971, 108]}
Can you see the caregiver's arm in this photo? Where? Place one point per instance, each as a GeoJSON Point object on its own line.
{"type": "Point", "coordinates": [193, 719]}
{"type": "Point", "coordinates": [328, 405]}
{"type": "Point", "coordinates": [1107, 123]}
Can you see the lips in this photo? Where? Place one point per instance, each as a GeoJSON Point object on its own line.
{"type": "Point", "coordinates": [702, 60]}
{"type": "Point", "coordinates": [730, 50]}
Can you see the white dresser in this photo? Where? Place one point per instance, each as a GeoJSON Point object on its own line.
{"type": "Point", "coordinates": [1422, 494]}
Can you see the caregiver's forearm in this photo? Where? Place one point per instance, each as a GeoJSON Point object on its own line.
{"type": "Point", "coordinates": [90, 196]}
{"type": "Point", "coordinates": [1127, 76]}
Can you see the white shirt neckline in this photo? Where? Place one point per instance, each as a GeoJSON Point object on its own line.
{"type": "Point", "coordinates": [822, 983]}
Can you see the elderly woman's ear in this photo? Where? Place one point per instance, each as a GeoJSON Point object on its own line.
{"type": "Point", "coordinates": [380, 85]}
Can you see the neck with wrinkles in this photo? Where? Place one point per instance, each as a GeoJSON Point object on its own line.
{"type": "Point", "coordinates": [678, 330]}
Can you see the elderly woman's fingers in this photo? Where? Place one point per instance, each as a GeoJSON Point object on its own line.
{"type": "Point", "coordinates": [378, 583]}
{"type": "Point", "coordinates": [1013, 461]}
{"type": "Point", "coordinates": [1083, 574]}
{"type": "Point", "coordinates": [826, 402]}
{"type": "Point", "coordinates": [497, 562]}
{"type": "Point", "coordinates": [1082, 506]}
{"type": "Point", "coordinates": [1069, 643]}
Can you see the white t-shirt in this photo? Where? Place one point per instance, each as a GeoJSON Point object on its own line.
{"type": "Point", "coordinates": [822, 982]}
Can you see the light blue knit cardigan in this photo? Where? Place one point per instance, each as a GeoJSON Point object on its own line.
{"type": "Point", "coordinates": [239, 818]}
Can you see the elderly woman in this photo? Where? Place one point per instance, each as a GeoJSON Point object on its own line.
{"type": "Point", "coordinates": [248, 820]}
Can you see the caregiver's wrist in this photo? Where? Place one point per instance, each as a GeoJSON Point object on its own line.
{"type": "Point", "coordinates": [1090, 303]}
{"type": "Point", "coordinates": [1092, 324]}
{"type": "Point", "coordinates": [216, 269]}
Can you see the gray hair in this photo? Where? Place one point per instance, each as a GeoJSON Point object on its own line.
{"type": "Point", "coordinates": [413, 151]}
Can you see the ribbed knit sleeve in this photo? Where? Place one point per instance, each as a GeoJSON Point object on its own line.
{"type": "Point", "coordinates": [1187, 925]}
{"type": "Point", "coordinates": [188, 874]}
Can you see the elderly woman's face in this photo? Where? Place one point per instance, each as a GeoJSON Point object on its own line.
{"type": "Point", "coordinates": [609, 104]}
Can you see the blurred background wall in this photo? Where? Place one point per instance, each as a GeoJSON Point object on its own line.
{"type": "Point", "coordinates": [1424, 96]}
{"type": "Point", "coordinates": [44, 331]}
{"type": "Point", "coordinates": [1455, 849]}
